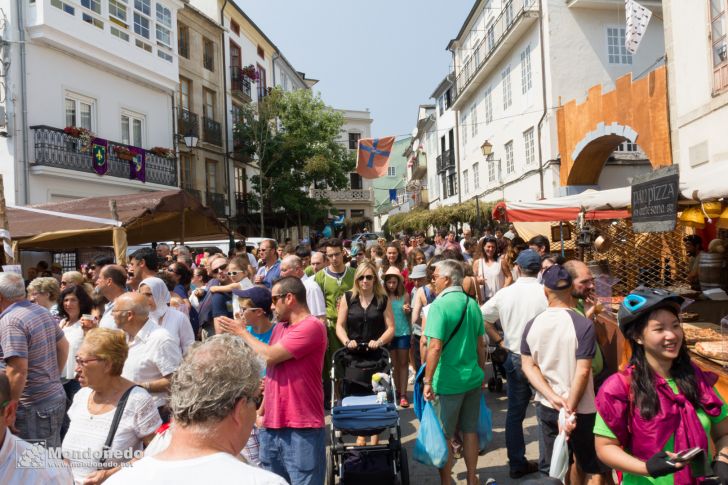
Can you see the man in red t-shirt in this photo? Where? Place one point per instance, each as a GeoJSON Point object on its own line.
{"type": "Point", "coordinates": [293, 437]}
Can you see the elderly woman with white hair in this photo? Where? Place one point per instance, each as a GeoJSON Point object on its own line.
{"type": "Point", "coordinates": [174, 321]}
{"type": "Point", "coordinates": [44, 291]}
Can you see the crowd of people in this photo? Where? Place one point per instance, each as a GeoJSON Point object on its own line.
{"type": "Point", "coordinates": [181, 367]}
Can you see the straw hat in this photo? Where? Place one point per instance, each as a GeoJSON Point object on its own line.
{"type": "Point", "coordinates": [393, 271]}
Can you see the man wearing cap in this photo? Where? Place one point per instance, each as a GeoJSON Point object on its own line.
{"type": "Point", "coordinates": [557, 349]}
{"type": "Point", "coordinates": [515, 306]}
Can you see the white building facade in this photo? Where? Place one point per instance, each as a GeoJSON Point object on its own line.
{"type": "Point", "coordinates": [515, 62]}
{"type": "Point", "coordinates": [442, 168]}
{"type": "Point", "coordinates": [106, 66]}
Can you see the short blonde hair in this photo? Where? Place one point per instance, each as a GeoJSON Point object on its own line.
{"type": "Point", "coordinates": [109, 345]}
{"type": "Point", "coordinates": [74, 277]}
{"type": "Point", "coordinates": [47, 285]}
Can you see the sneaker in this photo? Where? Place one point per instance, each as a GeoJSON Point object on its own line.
{"type": "Point", "coordinates": [403, 402]}
{"type": "Point", "coordinates": [531, 467]}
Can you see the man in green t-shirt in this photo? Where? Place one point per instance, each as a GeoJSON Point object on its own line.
{"type": "Point", "coordinates": [455, 359]}
{"type": "Point", "coordinates": [334, 280]}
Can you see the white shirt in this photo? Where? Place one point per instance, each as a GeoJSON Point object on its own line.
{"type": "Point", "coordinates": [253, 261]}
{"type": "Point", "coordinates": [153, 354]}
{"type": "Point", "coordinates": [216, 468]}
{"type": "Point", "coordinates": [245, 284]}
{"type": "Point", "coordinates": [74, 335]}
{"type": "Point", "coordinates": [88, 432]}
{"type": "Point", "coordinates": [15, 451]}
{"type": "Point", "coordinates": [514, 306]}
{"type": "Point", "coordinates": [315, 298]}
{"type": "Point", "coordinates": [179, 326]}
{"type": "Point", "coordinates": [107, 319]}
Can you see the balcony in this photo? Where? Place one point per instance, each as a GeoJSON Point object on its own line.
{"type": "Point", "coordinates": [445, 161]}
{"type": "Point", "coordinates": [211, 132]}
{"type": "Point", "coordinates": [245, 204]}
{"type": "Point", "coordinates": [419, 167]}
{"type": "Point", "coordinates": [352, 195]}
{"type": "Point", "coordinates": [510, 25]}
{"type": "Point", "coordinates": [55, 148]}
{"type": "Point", "coordinates": [240, 84]}
{"type": "Point", "coordinates": [216, 202]}
{"type": "Point", "coordinates": [187, 123]}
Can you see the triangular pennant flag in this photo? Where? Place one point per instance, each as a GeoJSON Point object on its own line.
{"type": "Point", "coordinates": [373, 157]}
{"type": "Point", "coordinates": [637, 19]}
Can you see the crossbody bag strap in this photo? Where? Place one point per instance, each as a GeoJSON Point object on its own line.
{"type": "Point", "coordinates": [115, 422]}
{"type": "Point", "coordinates": [457, 327]}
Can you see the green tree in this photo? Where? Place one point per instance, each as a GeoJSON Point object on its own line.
{"type": "Point", "coordinates": [293, 139]}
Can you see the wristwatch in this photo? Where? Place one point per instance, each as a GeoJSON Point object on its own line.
{"type": "Point", "coordinates": [427, 382]}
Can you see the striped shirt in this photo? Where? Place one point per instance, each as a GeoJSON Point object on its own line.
{"type": "Point", "coordinates": [29, 331]}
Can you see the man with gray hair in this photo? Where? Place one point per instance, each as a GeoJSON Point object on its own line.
{"type": "Point", "coordinates": [215, 393]}
{"type": "Point", "coordinates": [17, 456]}
{"type": "Point", "coordinates": [292, 265]}
{"type": "Point", "coordinates": [33, 350]}
{"type": "Point", "coordinates": [154, 354]}
{"type": "Point", "coordinates": [455, 361]}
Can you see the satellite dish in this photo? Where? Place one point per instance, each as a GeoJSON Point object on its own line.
{"type": "Point", "coordinates": [414, 132]}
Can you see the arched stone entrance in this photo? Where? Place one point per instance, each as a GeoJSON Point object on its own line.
{"type": "Point", "coordinates": [634, 111]}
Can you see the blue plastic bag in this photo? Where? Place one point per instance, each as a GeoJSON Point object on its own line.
{"type": "Point", "coordinates": [431, 445]}
{"type": "Point", "coordinates": [418, 403]}
{"type": "Point", "coordinates": [485, 424]}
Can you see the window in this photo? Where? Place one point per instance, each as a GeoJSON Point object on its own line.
{"type": "Point", "coordinates": [464, 128]}
{"type": "Point", "coordinates": [474, 119]}
{"type": "Point", "coordinates": [208, 104]}
{"type": "Point", "coordinates": [476, 176]}
{"type": "Point", "coordinates": [79, 111]}
{"type": "Point", "coordinates": [235, 27]}
{"type": "Point", "coordinates": [357, 213]}
{"type": "Point", "coordinates": [183, 40]}
{"type": "Point", "coordinates": [391, 171]}
{"type": "Point", "coordinates": [93, 5]}
{"type": "Point", "coordinates": [719, 46]}
{"type": "Point", "coordinates": [236, 58]}
{"type": "Point", "coordinates": [188, 174]}
{"type": "Point", "coordinates": [237, 114]}
{"type": "Point", "coordinates": [89, 19]}
{"type": "Point", "coordinates": [489, 105]}
{"type": "Point", "coordinates": [530, 148]}
{"type": "Point", "coordinates": [241, 181]}
{"type": "Point", "coordinates": [506, 81]}
{"type": "Point", "coordinates": [441, 104]}
{"type": "Point", "coordinates": [616, 50]}
{"type": "Point", "coordinates": [210, 176]}
{"type": "Point", "coordinates": [141, 25]}
{"type": "Point", "coordinates": [143, 45]}
{"type": "Point", "coordinates": [491, 169]}
{"type": "Point", "coordinates": [119, 33]}
{"type": "Point", "coordinates": [208, 54]}
{"type": "Point", "coordinates": [354, 140]}
{"type": "Point", "coordinates": [627, 147]}
{"type": "Point", "coordinates": [164, 25]}
{"type": "Point", "coordinates": [509, 13]}
{"type": "Point", "coordinates": [63, 6]}
{"type": "Point", "coordinates": [490, 36]}
{"type": "Point", "coordinates": [185, 88]}
{"type": "Point", "coordinates": [466, 186]}
{"type": "Point", "coordinates": [262, 83]}
{"type": "Point", "coordinates": [452, 185]}
{"type": "Point", "coordinates": [117, 10]}
{"type": "Point", "coordinates": [526, 81]}
{"type": "Point", "coordinates": [448, 99]}
{"type": "Point", "coordinates": [355, 181]}
{"type": "Point", "coordinates": [132, 126]}
{"type": "Point", "coordinates": [144, 6]}
{"type": "Point", "coordinates": [261, 52]}
{"type": "Point", "coordinates": [163, 55]}
{"type": "Point", "coordinates": [510, 165]}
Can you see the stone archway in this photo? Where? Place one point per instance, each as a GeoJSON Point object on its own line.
{"type": "Point", "coordinates": [589, 132]}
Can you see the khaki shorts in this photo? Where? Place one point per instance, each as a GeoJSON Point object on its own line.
{"type": "Point", "coordinates": [458, 411]}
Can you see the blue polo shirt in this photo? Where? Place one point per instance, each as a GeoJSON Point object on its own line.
{"type": "Point", "coordinates": [270, 275]}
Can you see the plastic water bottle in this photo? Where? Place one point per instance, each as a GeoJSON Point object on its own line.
{"type": "Point", "coordinates": [381, 397]}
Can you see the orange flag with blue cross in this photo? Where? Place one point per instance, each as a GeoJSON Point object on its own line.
{"type": "Point", "coordinates": [373, 156]}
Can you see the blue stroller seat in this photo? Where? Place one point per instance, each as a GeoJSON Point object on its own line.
{"type": "Point", "coordinates": [364, 419]}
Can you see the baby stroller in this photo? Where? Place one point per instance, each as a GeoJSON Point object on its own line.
{"type": "Point", "coordinates": [361, 412]}
{"type": "Point", "coordinates": [494, 370]}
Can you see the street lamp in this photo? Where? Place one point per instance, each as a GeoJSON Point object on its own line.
{"type": "Point", "coordinates": [191, 140]}
{"type": "Point", "coordinates": [486, 148]}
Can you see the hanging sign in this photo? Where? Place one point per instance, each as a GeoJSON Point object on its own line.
{"type": "Point", "coordinates": [654, 200]}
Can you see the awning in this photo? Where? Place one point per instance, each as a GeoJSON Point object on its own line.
{"type": "Point", "coordinates": [596, 204]}
{"type": "Point", "coordinates": [706, 182]}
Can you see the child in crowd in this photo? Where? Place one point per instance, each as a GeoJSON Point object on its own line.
{"type": "Point", "coordinates": [400, 345]}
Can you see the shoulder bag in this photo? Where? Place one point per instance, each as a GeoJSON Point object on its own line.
{"type": "Point", "coordinates": [115, 423]}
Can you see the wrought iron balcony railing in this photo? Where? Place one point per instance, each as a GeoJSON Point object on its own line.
{"type": "Point", "coordinates": [216, 202]}
{"type": "Point", "coordinates": [245, 204]}
{"type": "Point", "coordinates": [188, 123]}
{"type": "Point", "coordinates": [211, 131]}
{"type": "Point", "coordinates": [240, 84]}
{"type": "Point", "coordinates": [445, 161]}
{"type": "Point", "coordinates": [56, 148]}
{"type": "Point", "coordinates": [351, 195]}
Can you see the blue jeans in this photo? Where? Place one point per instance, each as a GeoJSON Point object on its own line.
{"type": "Point", "coordinates": [519, 395]}
{"type": "Point", "coordinates": [297, 455]}
{"type": "Point", "coordinates": [42, 420]}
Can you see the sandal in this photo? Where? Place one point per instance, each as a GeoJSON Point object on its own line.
{"type": "Point", "coordinates": [457, 450]}
{"type": "Point", "coordinates": [403, 402]}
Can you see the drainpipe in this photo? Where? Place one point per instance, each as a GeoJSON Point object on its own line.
{"type": "Point", "coordinates": [225, 111]}
{"type": "Point", "coordinates": [457, 135]}
{"type": "Point", "coordinates": [174, 142]}
{"type": "Point", "coordinates": [543, 91]}
{"type": "Point", "coordinates": [24, 103]}
{"type": "Point", "coordinates": [273, 65]}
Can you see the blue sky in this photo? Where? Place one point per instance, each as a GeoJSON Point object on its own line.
{"type": "Point", "coordinates": [388, 56]}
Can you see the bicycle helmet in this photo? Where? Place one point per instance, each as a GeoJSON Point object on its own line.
{"type": "Point", "coordinates": [641, 301]}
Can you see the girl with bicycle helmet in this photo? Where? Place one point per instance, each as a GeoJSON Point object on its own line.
{"type": "Point", "coordinates": [661, 403]}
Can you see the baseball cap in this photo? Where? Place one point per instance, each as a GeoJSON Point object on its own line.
{"type": "Point", "coordinates": [556, 278]}
{"type": "Point", "coordinates": [529, 259]}
{"type": "Point", "coordinates": [419, 271]}
{"type": "Point", "coordinates": [259, 295]}
{"type": "Point", "coordinates": [355, 250]}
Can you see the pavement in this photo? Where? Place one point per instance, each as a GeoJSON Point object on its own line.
{"type": "Point", "coordinates": [494, 464]}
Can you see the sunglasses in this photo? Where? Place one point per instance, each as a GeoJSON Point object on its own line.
{"type": "Point", "coordinates": [275, 298]}
{"type": "Point", "coordinates": [221, 268]}
{"type": "Point", "coordinates": [234, 273]}
{"type": "Point", "coordinates": [367, 277]}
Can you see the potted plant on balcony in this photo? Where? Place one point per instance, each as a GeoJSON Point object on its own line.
{"type": "Point", "coordinates": [84, 135]}
{"type": "Point", "coordinates": [250, 72]}
{"type": "Point", "coordinates": [162, 152]}
{"type": "Point", "coordinates": [123, 153]}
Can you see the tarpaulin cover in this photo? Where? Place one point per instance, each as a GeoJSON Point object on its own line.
{"type": "Point", "coordinates": [145, 217]}
{"type": "Point", "coordinates": [597, 204]}
{"type": "Point", "coordinates": [706, 182]}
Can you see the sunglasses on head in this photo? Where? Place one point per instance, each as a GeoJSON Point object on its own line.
{"type": "Point", "coordinates": [367, 277]}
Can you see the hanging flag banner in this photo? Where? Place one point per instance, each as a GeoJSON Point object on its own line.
{"type": "Point", "coordinates": [637, 19]}
{"type": "Point", "coordinates": [392, 194]}
{"type": "Point", "coordinates": [373, 157]}
{"type": "Point", "coordinates": [137, 168]}
{"type": "Point", "coordinates": [99, 149]}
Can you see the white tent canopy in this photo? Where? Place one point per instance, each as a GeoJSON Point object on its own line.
{"type": "Point", "coordinates": [706, 182]}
